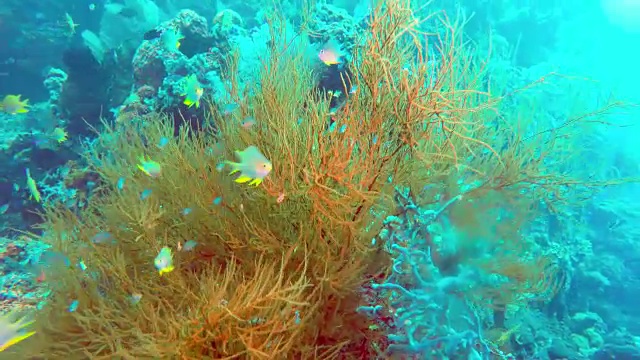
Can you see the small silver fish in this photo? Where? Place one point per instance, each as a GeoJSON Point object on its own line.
{"type": "Point", "coordinates": [135, 298]}
{"type": "Point", "coordinates": [102, 238]}
{"type": "Point", "coordinates": [189, 245]}
{"type": "Point", "coordinates": [145, 194]}
{"type": "Point", "coordinates": [163, 142]}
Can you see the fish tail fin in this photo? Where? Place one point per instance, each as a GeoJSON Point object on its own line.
{"type": "Point", "coordinates": [166, 270]}
{"type": "Point", "coordinates": [16, 340]}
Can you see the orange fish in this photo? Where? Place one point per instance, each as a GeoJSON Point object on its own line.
{"type": "Point", "coordinates": [330, 54]}
{"type": "Point", "coordinates": [42, 277]}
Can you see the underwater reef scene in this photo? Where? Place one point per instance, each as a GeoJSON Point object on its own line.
{"type": "Point", "coordinates": [319, 180]}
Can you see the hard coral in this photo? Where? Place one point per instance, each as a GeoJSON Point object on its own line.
{"type": "Point", "coordinates": [148, 65]}
{"type": "Point", "coordinates": [200, 52]}
{"type": "Point", "coordinates": [194, 28]}
{"type": "Point", "coordinates": [226, 19]}
{"type": "Point", "coordinates": [332, 22]}
{"type": "Point", "coordinates": [54, 82]}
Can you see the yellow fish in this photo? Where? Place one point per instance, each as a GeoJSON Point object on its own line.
{"type": "Point", "coordinates": [68, 20]}
{"type": "Point", "coordinates": [33, 187]}
{"type": "Point", "coordinates": [252, 165]}
{"type": "Point", "coordinates": [11, 104]}
{"type": "Point", "coordinates": [192, 91]}
{"type": "Point", "coordinates": [164, 261]}
{"type": "Point", "coordinates": [59, 135]}
{"type": "Point", "coordinates": [12, 330]}
{"type": "Point", "coordinates": [150, 167]}
{"type": "Point", "coordinates": [170, 39]}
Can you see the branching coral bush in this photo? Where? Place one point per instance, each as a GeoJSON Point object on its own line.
{"type": "Point", "coordinates": [278, 269]}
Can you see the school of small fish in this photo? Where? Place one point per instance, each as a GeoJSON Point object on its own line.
{"type": "Point", "coordinates": [251, 166]}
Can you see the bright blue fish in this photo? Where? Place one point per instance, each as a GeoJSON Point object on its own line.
{"type": "Point", "coordinates": [163, 142]}
{"type": "Point", "coordinates": [145, 194]}
{"type": "Point", "coordinates": [121, 183]}
{"type": "Point", "coordinates": [73, 306]}
{"type": "Point", "coordinates": [229, 108]}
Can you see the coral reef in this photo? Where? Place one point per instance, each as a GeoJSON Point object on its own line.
{"type": "Point", "coordinates": [200, 52]}
{"type": "Point", "coordinates": [420, 201]}
{"type": "Point", "coordinates": [54, 82]}
{"type": "Point", "coordinates": [278, 271]}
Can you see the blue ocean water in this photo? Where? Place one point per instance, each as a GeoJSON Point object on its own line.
{"type": "Point", "coordinates": [521, 244]}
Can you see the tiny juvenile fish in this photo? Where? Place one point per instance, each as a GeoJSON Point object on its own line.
{"type": "Point", "coordinates": [164, 261]}
{"type": "Point", "coordinates": [189, 245]}
{"type": "Point", "coordinates": [150, 167]}
{"type": "Point", "coordinates": [145, 194]}
{"type": "Point", "coordinates": [121, 183]}
{"type": "Point", "coordinates": [73, 306]}
{"type": "Point", "coordinates": [163, 142]}
{"type": "Point", "coordinates": [42, 277]}
{"type": "Point", "coordinates": [247, 122]}
{"type": "Point", "coordinates": [69, 22]}
{"type": "Point", "coordinates": [229, 108]}
{"type": "Point", "coordinates": [252, 166]}
{"type": "Point", "coordinates": [33, 187]}
{"type": "Point", "coordinates": [135, 298]}
{"type": "Point", "coordinates": [102, 237]}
